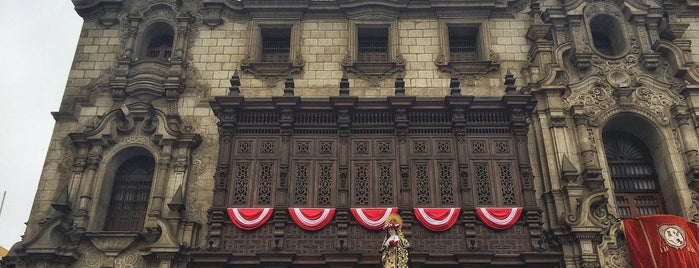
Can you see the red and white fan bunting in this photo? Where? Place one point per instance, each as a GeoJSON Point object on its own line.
{"type": "Point", "coordinates": [372, 218]}
{"type": "Point", "coordinates": [437, 219]}
{"type": "Point", "coordinates": [312, 219]}
{"type": "Point", "coordinates": [499, 218]}
{"type": "Point", "coordinates": [249, 218]}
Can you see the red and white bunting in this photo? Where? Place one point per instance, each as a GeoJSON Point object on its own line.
{"type": "Point", "coordinates": [249, 218]}
{"type": "Point", "coordinates": [312, 219]}
{"type": "Point", "coordinates": [372, 218]}
{"type": "Point", "coordinates": [437, 219]}
{"type": "Point", "coordinates": [499, 218]}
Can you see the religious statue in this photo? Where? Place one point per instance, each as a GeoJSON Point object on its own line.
{"type": "Point", "coordinates": [394, 250]}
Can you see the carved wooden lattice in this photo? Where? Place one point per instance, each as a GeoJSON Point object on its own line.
{"type": "Point", "coordinates": [326, 147]}
{"type": "Point", "coordinates": [443, 147]}
{"type": "Point", "coordinates": [502, 147]}
{"type": "Point", "coordinates": [419, 147]}
{"type": "Point", "coordinates": [361, 147]}
{"type": "Point", "coordinates": [132, 184]}
{"type": "Point", "coordinates": [240, 188]}
{"type": "Point", "coordinates": [361, 186]}
{"type": "Point", "coordinates": [483, 183]}
{"type": "Point", "coordinates": [478, 146]}
{"type": "Point", "coordinates": [264, 190]}
{"type": "Point", "coordinates": [301, 186]}
{"type": "Point", "coordinates": [446, 184]}
{"type": "Point", "coordinates": [507, 184]}
{"type": "Point", "coordinates": [386, 183]}
{"type": "Point", "coordinates": [244, 147]}
{"type": "Point", "coordinates": [325, 184]}
{"type": "Point", "coordinates": [267, 147]}
{"type": "Point", "coordinates": [384, 146]}
{"type": "Point", "coordinates": [422, 177]}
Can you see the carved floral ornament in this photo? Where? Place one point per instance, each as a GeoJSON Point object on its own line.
{"type": "Point", "coordinates": [598, 97]}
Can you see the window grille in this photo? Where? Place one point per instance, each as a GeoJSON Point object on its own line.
{"type": "Point", "coordinates": [160, 47]}
{"type": "Point", "coordinates": [372, 44]}
{"type": "Point", "coordinates": [636, 187]}
{"type": "Point", "coordinates": [130, 194]}
{"type": "Point", "coordinates": [276, 44]}
{"type": "Point", "coordinates": [463, 44]}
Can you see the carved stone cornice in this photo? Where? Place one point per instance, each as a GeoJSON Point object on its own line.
{"type": "Point", "coordinates": [272, 72]}
{"type": "Point", "coordinates": [468, 68]}
{"type": "Point", "coordinates": [374, 72]}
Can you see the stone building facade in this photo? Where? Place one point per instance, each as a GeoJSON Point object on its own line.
{"type": "Point", "coordinates": [581, 112]}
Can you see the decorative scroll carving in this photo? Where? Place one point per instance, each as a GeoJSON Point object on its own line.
{"type": "Point", "coordinates": [385, 183]}
{"type": "Point", "coordinates": [361, 188]}
{"type": "Point", "coordinates": [240, 184]}
{"type": "Point", "coordinates": [507, 184]}
{"type": "Point", "coordinates": [264, 182]}
{"type": "Point", "coordinates": [446, 183]}
{"type": "Point", "coordinates": [301, 185]}
{"type": "Point", "coordinates": [422, 178]}
{"type": "Point", "coordinates": [325, 186]}
{"type": "Point", "coordinates": [482, 175]}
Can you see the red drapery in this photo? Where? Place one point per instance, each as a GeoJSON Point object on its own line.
{"type": "Point", "coordinates": [312, 219]}
{"type": "Point", "coordinates": [499, 218]}
{"type": "Point", "coordinates": [662, 241]}
{"type": "Point", "coordinates": [249, 218]}
{"type": "Point", "coordinates": [372, 218]}
{"type": "Point", "coordinates": [437, 219]}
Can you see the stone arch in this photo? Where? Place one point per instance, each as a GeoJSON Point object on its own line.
{"type": "Point", "coordinates": [105, 180]}
{"type": "Point", "coordinates": [659, 143]}
{"type": "Point", "coordinates": [606, 31]}
{"type": "Point", "coordinates": [156, 41]}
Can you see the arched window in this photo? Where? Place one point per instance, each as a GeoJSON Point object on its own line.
{"type": "Point", "coordinates": [635, 182]}
{"type": "Point", "coordinates": [130, 194]}
{"type": "Point", "coordinates": [607, 35]}
{"type": "Point", "coordinates": [157, 43]}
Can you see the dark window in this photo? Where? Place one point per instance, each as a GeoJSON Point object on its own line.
{"type": "Point", "coordinates": [463, 43]}
{"type": "Point", "coordinates": [132, 184]}
{"type": "Point", "coordinates": [372, 44]}
{"type": "Point", "coordinates": [607, 35]}
{"type": "Point", "coordinates": [160, 47]}
{"type": "Point", "coordinates": [635, 182]}
{"type": "Point", "coordinates": [276, 44]}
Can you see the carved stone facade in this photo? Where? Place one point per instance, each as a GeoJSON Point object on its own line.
{"type": "Point", "coordinates": [522, 120]}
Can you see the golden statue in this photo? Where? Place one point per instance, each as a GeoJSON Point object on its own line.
{"type": "Point", "coordinates": [394, 250]}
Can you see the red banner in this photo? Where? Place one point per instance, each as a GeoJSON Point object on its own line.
{"type": "Point", "coordinates": [312, 219]}
{"type": "Point", "coordinates": [499, 218]}
{"type": "Point", "coordinates": [437, 219]}
{"type": "Point", "coordinates": [662, 241]}
{"type": "Point", "coordinates": [372, 218]}
{"type": "Point", "coordinates": [249, 218]}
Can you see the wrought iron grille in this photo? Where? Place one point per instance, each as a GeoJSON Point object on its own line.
{"type": "Point", "coordinates": [130, 194]}
{"type": "Point", "coordinates": [372, 45]}
{"type": "Point", "coordinates": [463, 44]}
{"type": "Point", "coordinates": [160, 47]}
{"type": "Point", "coordinates": [276, 45]}
{"type": "Point", "coordinates": [636, 186]}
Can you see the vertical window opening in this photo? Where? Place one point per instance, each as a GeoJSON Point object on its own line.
{"type": "Point", "coordinates": [463, 44]}
{"type": "Point", "coordinates": [160, 47]}
{"type": "Point", "coordinates": [276, 44]}
{"type": "Point", "coordinates": [635, 182]}
{"type": "Point", "coordinates": [372, 44]}
{"type": "Point", "coordinates": [607, 35]}
{"type": "Point", "coordinates": [130, 194]}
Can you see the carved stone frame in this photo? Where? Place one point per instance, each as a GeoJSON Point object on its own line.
{"type": "Point", "coordinates": [374, 72]}
{"type": "Point", "coordinates": [487, 60]}
{"type": "Point", "coordinates": [273, 72]}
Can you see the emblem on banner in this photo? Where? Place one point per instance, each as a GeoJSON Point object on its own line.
{"type": "Point", "coordinates": [673, 235]}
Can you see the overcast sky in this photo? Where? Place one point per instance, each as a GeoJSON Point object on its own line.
{"type": "Point", "coordinates": [37, 40]}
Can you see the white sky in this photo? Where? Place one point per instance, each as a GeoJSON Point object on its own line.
{"type": "Point", "coordinates": [37, 40]}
